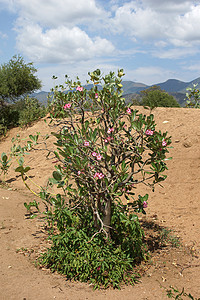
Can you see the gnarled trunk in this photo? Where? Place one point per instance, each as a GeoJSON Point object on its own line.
{"type": "Point", "coordinates": [107, 216]}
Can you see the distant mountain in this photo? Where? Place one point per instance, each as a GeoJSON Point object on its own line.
{"type": "Point", "coordinates": [41, 96]}
{"type": "Point", "coordinates": [180, 98]}
{"type": "Point", "coordinates": [190, 84]}
{"type": "Point", "coordinates": [173, 85]}
{"type": "Point", "coordinates": [177, 86]}
{"type": "Point", "coordinates": [131, 89]}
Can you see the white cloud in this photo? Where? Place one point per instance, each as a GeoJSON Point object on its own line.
{"type": "Point", "coordinates": [73, 70]}
{"type": "Point", "coordinates": [49, 31]}
{"type": "Point", "coordinates": [149, 75]}
{"type": "Point", "coordinates": [194, 67]}
{"type": "Point", "coordinates": [53, 13]}
{"type": "Point", "coordinates": [137, 22]}
{"type": "Point", "coordinates": [176, 22]}
{"type": "Point", "coordinates": [169, 6]}
{"type": "Point", "coordinates": [175, 53]}
{"type": "Point", "coordinates": [188, 25]}
{"type": "Point", "coordinates": [78, 35]}
{"type": "Point", "coordinates": [60, 45]}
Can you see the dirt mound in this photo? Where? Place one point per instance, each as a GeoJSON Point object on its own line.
{"type": "Point", "coordinates": [175, 206]}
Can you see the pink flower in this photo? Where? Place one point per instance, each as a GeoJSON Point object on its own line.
{"type": "Point", "coordinates": [96, 95]}
{"type": "Point", "coordinates": [108, 139]}
{"type": "Point", "coordinates": [86, 143]}
{"type": "Point", "coordinates": [164, 143]}
{"type": "Point", "coordinates": [98, 175]}
{"type": "Point", "coordinates": [149, 132]}
{"type": "Point", "coordinates": [94, 154]}
{"type": "Point", "coordinates": [145, 204]}
{"type": "Point", "coordinates": [79, 88]}
{"type": "Point", "coordinates": [101, 175]}
{"type": "Point", "coordinates": [128, 111]}
{"type": "Point", "coordinates": [99, 157]}
{"type": "Point", "coordinates": [79, 172]}
{"type": "Point", "coordinates": [68, 105]}
{"type": "Point", "coordinates": [110, 130]}
{"type": "Point", "coordinates": [98, 268]}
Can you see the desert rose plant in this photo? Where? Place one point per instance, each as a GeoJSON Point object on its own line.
{"type": "Point", "coordinates": [4, 164]}
{"type": "Point", "coordinates": [105, 148]}
{"type": "Point", "coordinates": [193, 97]}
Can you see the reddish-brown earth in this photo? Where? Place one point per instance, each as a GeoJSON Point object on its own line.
{"type": "Point", "coordinates": [175, 206]}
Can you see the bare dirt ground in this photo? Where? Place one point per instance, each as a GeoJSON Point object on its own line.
{"type": "Point", "coordinates": [175, 206]}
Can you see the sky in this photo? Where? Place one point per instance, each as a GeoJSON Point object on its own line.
{"type": "Point", "coordinates": [152, 40]}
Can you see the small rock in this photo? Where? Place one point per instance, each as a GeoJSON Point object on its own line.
{"type": "Point", "coordinates": [187, 144]}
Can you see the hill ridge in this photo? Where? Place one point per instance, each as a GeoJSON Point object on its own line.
{"type": "Point", "coordinates": [175, 87]}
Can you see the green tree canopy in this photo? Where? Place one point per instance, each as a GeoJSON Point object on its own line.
{"type": "Point", "coordinates": [17, 78]}
{"type": "Point", "coordinates": [155, 97]}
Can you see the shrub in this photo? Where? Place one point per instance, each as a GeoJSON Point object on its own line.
{"type": "Point", "coordinates": [102, 155]}
{"type": "Point", "coordinates": [193, 97]}
{"type": "Point", "coordinates": [22, 113]}
{"type": "Point", "coordinates": [155, 97]}
{"type": "Point", "coordinates": [30, 110]}
{"type": "Point", "coordinates": [9, 117]}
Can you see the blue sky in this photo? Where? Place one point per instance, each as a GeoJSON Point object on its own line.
{"type": "Point", "coordinates": [152, 40]}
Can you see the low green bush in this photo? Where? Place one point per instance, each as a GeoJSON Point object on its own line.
{"type": "Point", "coordinates": [21, 113]}
{"type": "Point", "coordinates": [155, 97]}
{"type": "Point", "coordinates": [100, 261]}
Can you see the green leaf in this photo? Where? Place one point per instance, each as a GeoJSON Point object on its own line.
{"type": "Point", "coordinates": [115, 187]}
{"type": "Point", "coordinates": [56, 154]}
{"type": "Point", "coordinates": [4, 157]}
{"type": "Point", "coordinates": [86, 125]}
{"type": "Point", "coordinates": [26, 169]}
{"type": "Point", "coordinates": [20, 169]}
{"type": "Point", "coordinates": [57, 176]}
{"type": "Point", "coordinates": [123, 165]}
{"type": "Point", "coordinates": [53, 180]}
{"type": "Point", "coordinates": [106, 181]}
{"type": "Point", "coordinates": [21, 161]}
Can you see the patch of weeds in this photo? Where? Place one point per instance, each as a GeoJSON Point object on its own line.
{"type": "Point", "coordinates": [176, 294]}
{"type": "Point", "coordinates": [166, 237]}
{"type": "Point", "coordinates": [25, 251]}
{"type": "Point", "coordinates": [4, 185]}
{"type": "Point", "coordinates": [22, 249]}
{"type": "Point", "coordinates": [158, 237]}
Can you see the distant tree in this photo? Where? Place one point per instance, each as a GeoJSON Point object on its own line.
{"type": "Point", "coordinates": [17, 79]}
{"type": "Point", "coordinates": [133, 98]}
{"type": "Point", "coordinates": [155, 97]}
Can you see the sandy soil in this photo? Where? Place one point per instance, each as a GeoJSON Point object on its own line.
{"type": "Point", "coordinates": [175, 206]}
